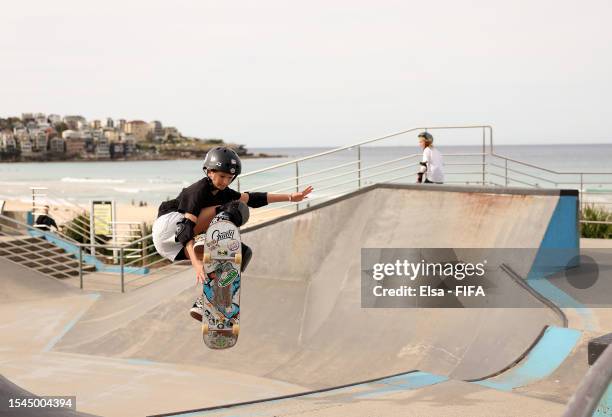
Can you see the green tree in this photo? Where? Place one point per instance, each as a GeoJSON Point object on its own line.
{"type": "Point", "coordinates": [60, 127]}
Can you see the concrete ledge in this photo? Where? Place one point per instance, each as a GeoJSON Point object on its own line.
{"type": "Point", "coordinates": [422, 187]}
{"type": "Point", "coordinates": [596, 243]}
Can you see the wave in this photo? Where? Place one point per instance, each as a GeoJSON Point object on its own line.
{"type": "Point", "coordinates": [93, 180]}
{"type": "Point", "coordinates": [164, 181]}
{"type": "Point", "coordinates": [128, 190]}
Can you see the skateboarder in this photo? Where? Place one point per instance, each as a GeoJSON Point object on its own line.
{"type": "Point", "coordinates": [431, 164]}
{"type": "Point", "coordinates": [188, 215]}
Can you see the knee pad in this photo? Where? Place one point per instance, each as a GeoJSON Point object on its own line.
{"type": "Point", "coordinates": [236, 211]}
{"type": "Point", "coordinates": [247, 254]}
{"type": "Point", "coordinates": [185, 231]}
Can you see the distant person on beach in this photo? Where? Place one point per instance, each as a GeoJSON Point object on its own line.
{"type": "Point", "coordinates": [430, 171]}
{"type": "Point", "coordinates": [45, 222]}
{"type": "Point", "coordinates": [188, 215]}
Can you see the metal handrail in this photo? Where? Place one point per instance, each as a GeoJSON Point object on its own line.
{"type": "Point", "coordinates": [359, 170]}
{"type": "Point", "coordinates": [464, 164]}
{"type": "Point", "coordinates": [40, 264]}
{"type": "Point", "coordinates": [304, 176]}
{"type": "Point", "coordinates": [337, 185]}
{"type": "Point", "coordinates": [514, 180]}
{"type": "Point", "coordinates": [595, 221]}
{"type": "Point", "coordinates": [525, 174]}
{"type": "Point", "coordinates": [593, 386]}
{"type": "Point", "coordinates": [381, 164]}
{"type": "Point", "coordinates": [81, 229]}
{"type": "Point", "coordinates": [366, 178]}
{"type": "Point", "coordinates": [149, 255]}
{"type": "Point", "coordinates": [27, 226]}
{"type": "Point", "coordinates": [80, 246]}
{"type": "Point", "coordinates": [365, 142]}
{"type": "Point", "coordinates": [319, 180]}
{"type": "Point", "coordinates": [549, 170]}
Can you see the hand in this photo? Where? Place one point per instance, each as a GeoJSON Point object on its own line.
{"type": "Point", "coordinates": [297, 197]}
{"type": "Point", "coordinates": [200, 274]}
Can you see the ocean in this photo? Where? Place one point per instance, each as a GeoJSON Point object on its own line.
{"type": "Point", "coordinates": [154, 181]}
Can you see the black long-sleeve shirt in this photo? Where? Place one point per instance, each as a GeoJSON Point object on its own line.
{"type": "Point", "coordinates": [45, 222]}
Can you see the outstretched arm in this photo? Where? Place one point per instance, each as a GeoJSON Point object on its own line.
{"type": "Point", "coordinates": [277, 198]}
{"type": "Point", "coordinates": [293, 197]}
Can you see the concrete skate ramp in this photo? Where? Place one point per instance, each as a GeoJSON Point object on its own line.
{"type": "Point", "coordinates": [107, 386]}
{"type": "Point", "coordinates": [21, 284]}
{"type": "Point", "coordinates": [9, 391]}
{"type": "Point", "coordinates": [302, 321]}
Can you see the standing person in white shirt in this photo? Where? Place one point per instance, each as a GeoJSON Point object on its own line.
{"type": "Point", "coordinates": [430, 171]}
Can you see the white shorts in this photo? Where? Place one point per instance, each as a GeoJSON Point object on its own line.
{"type": "Point", "coordinates": [164, 230]}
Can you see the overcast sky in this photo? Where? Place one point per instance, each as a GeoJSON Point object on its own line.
{"type": "Point", "coordinates": [316, 73]}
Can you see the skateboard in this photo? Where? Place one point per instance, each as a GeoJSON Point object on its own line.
{"type": "Point", "coordinates": [221, 251]}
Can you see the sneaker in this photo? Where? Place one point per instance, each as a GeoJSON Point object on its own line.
{"type": "Point", "coordinates": [198, 309]}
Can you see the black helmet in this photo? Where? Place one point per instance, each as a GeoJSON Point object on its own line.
{"type": "Point", "coordinates": [223, 159]}
{"type": "Point", "coordinates": [427, 136]}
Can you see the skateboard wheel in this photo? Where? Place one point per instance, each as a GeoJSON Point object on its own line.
{"type": "Point", "coordinates": [207, 257]}
{"type": "Point", "coordinates": [238, 258]}
{"type": "Point", "coordinates": [204, 329]}
{"type": "Point", "coordinates": [235, 329]}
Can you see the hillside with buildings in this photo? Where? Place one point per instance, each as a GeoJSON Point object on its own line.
{"type": "Point", "coordinates": [41, 137]}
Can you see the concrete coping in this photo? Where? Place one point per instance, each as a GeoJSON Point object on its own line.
{"type": "Point", "coordinates": [552, 192]}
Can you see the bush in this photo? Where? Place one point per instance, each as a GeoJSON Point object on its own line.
{"type": "Point", "coordinates": [592, 212]}
{"type": "Point", "coordinates": [78, 230]}
{"type": "Point", "coordinates": [213, 141]}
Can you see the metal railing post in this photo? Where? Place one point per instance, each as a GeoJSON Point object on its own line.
{"type": "Point", "coordinates": [143, 252]}
{"type": "Point", "coordinates": [506, 172]}
{"type": "Point", "coordinates": [122, 270]}
{"type": "Point", "coordinates": [81, 266]}
{"type": "Point", "coordinates": [359, 167]}
{"type": "Point", "coordinates": [580, 193]}
{"type": "Point", "coordinates": [484, 141]}
{"type": "Point", "coordinates": [92, 230]}
{"type": "Point", "coordinates": [297, 183]}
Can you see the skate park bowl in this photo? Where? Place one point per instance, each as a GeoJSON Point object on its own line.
{"type": "Point", "coordinates": [303, 327]}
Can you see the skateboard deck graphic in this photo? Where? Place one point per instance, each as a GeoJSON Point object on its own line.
{"type": "Point", "coordinates": [222, 260]}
